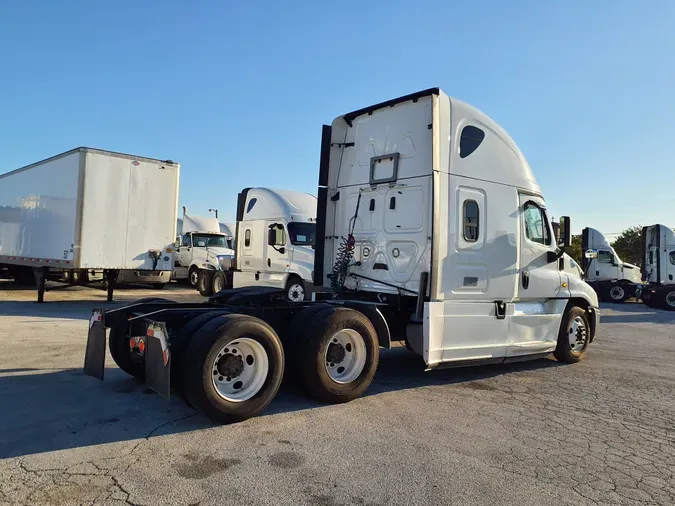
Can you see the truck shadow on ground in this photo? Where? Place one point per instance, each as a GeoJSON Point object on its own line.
{"type": "Point", "coordinates": [634, 313]}
{"type": "Point", "coordinates": [55, 410]}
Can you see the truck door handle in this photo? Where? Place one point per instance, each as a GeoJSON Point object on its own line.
{"type": "Point", "coordinates": [526, 279]}
{"type": "Point", "coordinates": [269, 263]}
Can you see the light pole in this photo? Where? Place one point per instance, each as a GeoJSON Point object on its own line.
{"type": "Point", "coordinates": [214, 211]}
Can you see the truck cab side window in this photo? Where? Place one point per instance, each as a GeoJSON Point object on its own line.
{"type": "Point", "coordinates": [469, 140]}
{"type": "Point", "coordinates": [247, 238]}
{"type": "Point", "coordinates": [471, 225]}
{"type": "Point", "coordinates": [672, 257]}
{"type": "Point", "coordinates": [536, 224]}
{"type": "Point", "coordinates": [605, 257]}
{"type": "Point", "coordinates": [277, 235]}
{"type": "Point", "coordinates": [185, 240]}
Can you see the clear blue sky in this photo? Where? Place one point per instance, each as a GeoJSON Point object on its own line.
{"type": "Point", "coordinates": [237, 91]}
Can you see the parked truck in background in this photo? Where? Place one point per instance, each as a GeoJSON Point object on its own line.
{"type": "Point", "coordinates": [431, 229]}
{"type": "Point", "coordinates": [658, 267]}
{"type": "Point", "coordinates": [201, 246]}
{"type": "Point", "coordinates": [89, 210]}
{"type": "Point", "coordinates": [613, 279]}
{"type": "Point", "coordinates": [274, 244]}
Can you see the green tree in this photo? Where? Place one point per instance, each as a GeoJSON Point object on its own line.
{"type": "Point", "coordinates": [575, 249]}
{"type": "Point", "coordinates": [629, 245]}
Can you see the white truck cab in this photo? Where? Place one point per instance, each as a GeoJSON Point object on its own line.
{"type": "Point", "coordinates": [658, 266]}
{"type": "Point", "coordinates": [275, 240]}
{"type": "Point", "coordinates": [201, 246]}
{"type": "Point", "coordinates": [428, 205]}
{"type": "Point", "coordinates": [612, 279]}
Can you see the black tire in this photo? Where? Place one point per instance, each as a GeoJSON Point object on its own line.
{"type": "Point", "coordinates": [202, 351]}
{"type": "Point", "coordinates": [193, 276]}
{"type": "Point", "coordinates": [667, 299]}
{"type": "Point", "coordinates": [218, 283]}
{"type": "Point", "coordinates": [118, 344]}
{"type": "Point", "coordinates": [80, 277]}
{"type": "Point", "coordinates": [564, 351]}
{"type": "Point", "coordinates": [312, 347]}
{"type": "Point", "coordinates": [296, 290]}
{"type": "Point", "coordinates": [179, 345]}
{"type": "Point", "coordinates": [205, 283]}
{"type": "Point", "coordinates": [616, 293]}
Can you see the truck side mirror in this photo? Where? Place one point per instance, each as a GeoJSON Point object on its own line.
{"type": "Point", "coordinates": [591, 253]}
{"type": "Point", "coordinates": [565, 234]}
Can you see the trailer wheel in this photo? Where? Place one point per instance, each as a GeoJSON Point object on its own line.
{"type": "Point", "coordinates": [118, 344]}
{"type": "Point", "coordinates": [337, 354]}
{"type": "Point", "coordinates": [574, 336]}
{"type": "Point", "coordinates": [218, 283]}
{"type": "Point", "coordinates": [205, 283]}
{"type": "Point", "coordinates": [616, 293]}
{"type": "Point", "coordinates": [233, 367]}
{"type": "Point", "coordinates": [193, 276]}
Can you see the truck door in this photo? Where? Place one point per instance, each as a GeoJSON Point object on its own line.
{"type": "Point", "coordinates": [276, 254]}
{"type": "Point", "coordinates": [541, 298]}
{"type": "Point", "coordinates": [185, 251]}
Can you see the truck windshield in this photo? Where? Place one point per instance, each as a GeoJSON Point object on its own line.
{"type": "Point", "coordinates": [302, 234]}
{"type": "Point", "coordinates": [210, 240]}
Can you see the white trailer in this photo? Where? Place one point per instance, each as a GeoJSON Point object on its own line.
{"type": "Point", "coordinates": [658, 267]}
{"type": "Point", "coordinates": [613, 279]}
{"type": "Point", "coordinates": [431, 228]}
{"type": "Point", "coordinates": [89, 210]}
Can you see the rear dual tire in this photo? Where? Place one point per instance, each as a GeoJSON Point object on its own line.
{"type": "Point", "coordinates": [232, 368]}
{"type": "Point", "coordinates": [335, 352]}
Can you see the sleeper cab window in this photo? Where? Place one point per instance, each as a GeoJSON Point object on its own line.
{"type": "Point", "coordinates": [536, 224]}
{"type": "Point", "coordinates": [672, 257]}
{"type": "Point", "coordinates": [605, 257]}
{"type": "Point", "coordinates": [471, 225]}
{"type": "Point", "coordinates": [469, 140]}
{"type": "Point", "coordinates": [251, 203]}
{"type": "Point", "coordinates": [247, 237]}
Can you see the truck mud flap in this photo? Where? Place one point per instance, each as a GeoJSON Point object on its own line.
{"type": "Point", "coordinates": [94, 357]}
{"type": "Point", "coordinates": [157, 359]}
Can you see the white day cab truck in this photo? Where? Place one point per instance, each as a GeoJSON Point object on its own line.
{"type": "Point", "coordinates": [89, 211]}
{"type": "Point", "coordinates": [658, 267]}
{"type": "Point", "coordinates": [611, 278]}
{"type": "Point", "coordinates": [430, 229]}
{"type": "Point", "coordinates": [274, 244]}
{"type": "Point", "coordinates": [201, 247]}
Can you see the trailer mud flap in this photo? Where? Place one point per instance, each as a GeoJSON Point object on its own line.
{"type": "Point", "coordinates": [94, 357]}
{"type": "Point", "coordinates": [158, 359]}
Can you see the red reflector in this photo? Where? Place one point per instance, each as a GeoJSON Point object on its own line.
{"type": "Point", "coordinates": [132, 343]}
{"type": "Point", "coordinates": [150, 332]}
{"type": "Point", "coordinates": [141, 345]}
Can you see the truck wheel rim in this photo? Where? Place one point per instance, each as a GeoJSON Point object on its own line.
{"type": "Point", "coordinates": [345, 356]}
{"type": "Point", "coordinates": [616, 293]}
{"type": "Point", "coordinates": [296, 292]}
{"type": "Point", "coordinates": [217, 284]}
{"type": "Point", "coordinates": [670, 299]}
{"type": "Point", "coordinates": [194, 278]}
{"type": "Point", "coordinates": [578, 334]}
{"type": "Point", "coordinates": [240, 369]}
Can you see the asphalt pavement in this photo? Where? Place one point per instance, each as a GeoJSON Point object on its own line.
{"type": "Point", "coordinates": [532, 433]}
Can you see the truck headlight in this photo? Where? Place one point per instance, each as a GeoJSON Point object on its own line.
{"type": "Point", "coordinates": [225, 262]}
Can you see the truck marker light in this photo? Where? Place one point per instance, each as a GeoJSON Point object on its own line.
{"type": "Point", "coordinates": [564, 285]}
{"type": "Point", "coordinates": [169, 250]}
{"type": "Point", "coordinates": [132, 343]}
{"type": "Point", "coordinates": [150, 332]}
{"type": "Point", "coordinates": [141, 345]}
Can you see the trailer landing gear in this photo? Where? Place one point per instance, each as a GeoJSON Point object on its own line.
{"type": "Point", "coordinates": [111, 279]}
{"type": "Point", "coordinates": [40, 274]}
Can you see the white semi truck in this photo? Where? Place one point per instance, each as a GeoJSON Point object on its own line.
{"type": "Point", "coordinates": [274, 244]}
{"type": "Point", "coordinates": [201, 247]}
{"type": "Point", "coordinates": [89, 210]}
{"type": "Point", "coordinates": [431, 229]}
{"type": "Point", "coordinates": [613, 279]}
{"type": "Point", "coordinates": [658, 267]}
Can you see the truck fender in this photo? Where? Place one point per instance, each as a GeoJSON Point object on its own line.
{"type": "Point", "coordinates": [373, 313]}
